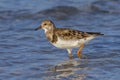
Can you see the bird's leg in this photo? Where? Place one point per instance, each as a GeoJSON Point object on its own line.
{"type": "Point", "coordinates": [70, 53]}
{"type": "Point", "coordinates": [79, 50]}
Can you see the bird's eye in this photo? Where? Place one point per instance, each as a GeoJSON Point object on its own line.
{"type": "Point", "coordinates": [45, 24]}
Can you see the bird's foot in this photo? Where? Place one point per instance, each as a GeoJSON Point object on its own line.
{"type": "Point", "coordinates": [79, 55]}
{"type": "Point", "coordinates": [70, 56]}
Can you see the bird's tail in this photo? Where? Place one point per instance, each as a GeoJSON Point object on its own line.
{"type": "Point", "coordinates": [96, 33]}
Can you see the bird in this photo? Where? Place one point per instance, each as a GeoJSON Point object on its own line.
{"type": "Point", "coordinates": [66, 38]}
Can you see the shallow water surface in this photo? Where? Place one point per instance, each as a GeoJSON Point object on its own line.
{"type": "Point", "coordinates": [26, 54]}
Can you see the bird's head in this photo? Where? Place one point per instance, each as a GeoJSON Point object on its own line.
{"type": "Point", "coordinates": [46, 25]}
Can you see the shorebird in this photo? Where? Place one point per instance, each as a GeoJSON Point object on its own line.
{"type": "Point", "coordinates": [66, 38]}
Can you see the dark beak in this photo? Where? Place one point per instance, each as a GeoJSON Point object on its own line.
{"type": "Point", "coordinates": [38, 28]}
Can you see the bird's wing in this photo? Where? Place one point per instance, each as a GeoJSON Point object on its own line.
{"type": "Point", "coordinates": [67, 34]}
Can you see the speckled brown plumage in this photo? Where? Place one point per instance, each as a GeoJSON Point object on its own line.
{"type": "Point", "coordinates": [67, 34]}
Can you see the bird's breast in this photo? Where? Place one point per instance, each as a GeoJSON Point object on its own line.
{"type": "Point", "coordinates": [60, 43]}
{"type": "Point", "coordinates": [66, 43]}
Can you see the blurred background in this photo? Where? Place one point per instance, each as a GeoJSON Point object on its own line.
{"type": "Point", "coordinates": [26, 54]}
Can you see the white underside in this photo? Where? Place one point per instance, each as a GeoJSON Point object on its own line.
{"type": "Point", "coordinates": [69, 44]}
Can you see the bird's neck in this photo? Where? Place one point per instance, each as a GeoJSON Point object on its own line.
{"type": "Point", "coordinates": [49, 34]}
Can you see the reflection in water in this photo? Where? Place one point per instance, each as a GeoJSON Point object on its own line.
{"type": "Point", "coordinates": [72, 69]}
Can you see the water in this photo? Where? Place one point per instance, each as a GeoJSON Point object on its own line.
{"type": "Point", "coordinates": [26, 54]}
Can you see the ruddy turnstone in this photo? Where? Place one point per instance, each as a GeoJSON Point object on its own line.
{"type": "Point", "coordinates": [66, 38]}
